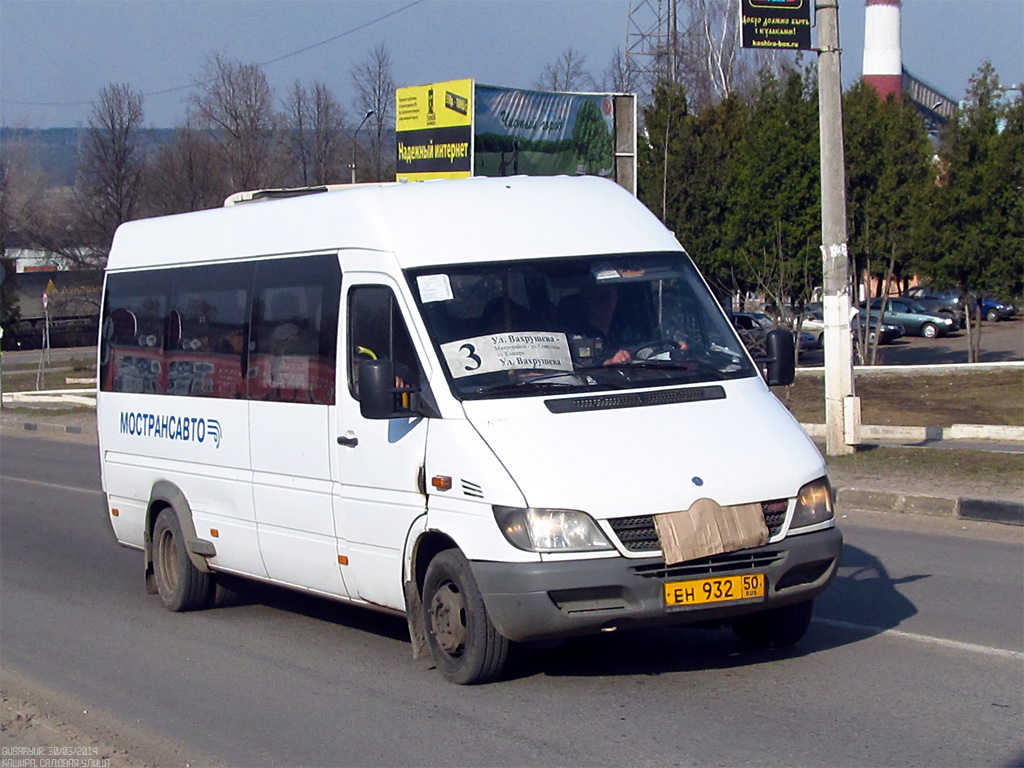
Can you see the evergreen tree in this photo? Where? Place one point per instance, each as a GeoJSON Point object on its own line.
{"type": "Point", "coordinates": [773, 221]}
{"type": "Point", "coordinates": [975, 211]}
{"type": "Point", "coordinates": [889, 169]}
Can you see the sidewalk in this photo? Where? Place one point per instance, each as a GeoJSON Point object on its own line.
{"type": "Point", "coordinates": [951, 494]}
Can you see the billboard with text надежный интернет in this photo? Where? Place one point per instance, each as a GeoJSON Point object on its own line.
{"type": "Point", "coordinates": [434, 131]}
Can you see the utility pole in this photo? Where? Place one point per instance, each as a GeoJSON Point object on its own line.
{"type": "Point", "coordinates": [842, 409]}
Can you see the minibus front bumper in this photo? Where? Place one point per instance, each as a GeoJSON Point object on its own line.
{"type": "Point", "coordinates": [553, 599]}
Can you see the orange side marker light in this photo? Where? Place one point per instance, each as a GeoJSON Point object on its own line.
{"type": "Point", "coordinates": [441, 482]}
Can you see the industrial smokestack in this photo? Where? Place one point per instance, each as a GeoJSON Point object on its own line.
{"type": "Point", "coordinates": [883, 59]}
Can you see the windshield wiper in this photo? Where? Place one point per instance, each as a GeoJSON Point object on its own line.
{"type": "Point", "coordinates": [544, 381]}
{"type": "Point", "coordinates": [661, 365]}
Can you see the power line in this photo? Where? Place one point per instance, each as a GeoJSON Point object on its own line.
{"type": "Point", "coordinates": [261, 64]}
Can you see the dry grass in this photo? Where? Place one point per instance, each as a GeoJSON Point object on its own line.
{"type": "Point", "coordinates": [919, 399]}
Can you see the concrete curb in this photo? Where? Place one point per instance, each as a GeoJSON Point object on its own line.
{"type": "Point", "coordinates": [68, 396]}
{"type": "Point", "coordinates": [30, 426]}
{"type": "Point", "coordinates": [869, 432]}
{"type": "Point", "coordinates": [985, 510]}
{"type": "Point", "coordinates": [883, 370]}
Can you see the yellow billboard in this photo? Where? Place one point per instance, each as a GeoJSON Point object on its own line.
{"type": "Point", "coordinates": [434, 131]}
{"type": "Point", "coordinates": [436, 105]}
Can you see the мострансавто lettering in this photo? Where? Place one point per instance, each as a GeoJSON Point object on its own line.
{"type": "Point", "coordinates": [168, 427]}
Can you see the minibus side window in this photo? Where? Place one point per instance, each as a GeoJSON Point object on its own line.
{"type": "Point", "coordinates": [207, 329]}
{"type": "Point", "coordinates": [294, 330]}
{"type": "Point", "coordinates": [132, 335]}
{"type": "Point", "coordinates": [377, 331]}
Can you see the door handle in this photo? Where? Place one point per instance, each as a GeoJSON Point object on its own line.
{"type": "Point", "coordinates": [352, 442]}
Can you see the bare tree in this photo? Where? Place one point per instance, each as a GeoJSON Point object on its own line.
{"type": "Point", "coordinates": [328, 120]}
{"type": "Point", "coordinates": [566, 73]}
{"type": "Point", "coordinates": [183, 175]}
{"type": "Point", "coordinates": [617, 77]}
{"type": "Point", "coordinates": [297, 130]}
{"type": "Point", "coordinates": [316, 134]}
{"type": "Point", "coordinates": [375, 90]}
{"type": "Point", "coordinates": [112, 165]}
{"type": "Point", "coordinates": [710, 53]}
{"type": "Point", "coordinates": [235, 105]}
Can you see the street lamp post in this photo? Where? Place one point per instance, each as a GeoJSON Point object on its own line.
{"type": "Point", "coordinates": [355, 142]}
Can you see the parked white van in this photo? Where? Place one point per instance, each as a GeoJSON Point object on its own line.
{"type": "Point", "coordinates": [508, 409]}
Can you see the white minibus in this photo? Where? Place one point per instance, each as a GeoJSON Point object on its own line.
{"type": "Point", "coordinates": [510, 410]}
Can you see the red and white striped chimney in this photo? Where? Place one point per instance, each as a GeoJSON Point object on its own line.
{"type": "Point", "coordinates": [883, 60]}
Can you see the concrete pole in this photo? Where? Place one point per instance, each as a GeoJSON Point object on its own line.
{"type": "Point", "coordinates": [842, 411]}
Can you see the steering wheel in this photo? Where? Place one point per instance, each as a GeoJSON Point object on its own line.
{"type": "Point", "coordinates": [651, 349]}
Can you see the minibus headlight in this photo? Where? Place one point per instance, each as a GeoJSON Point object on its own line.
{"type": "Point", "coordinates": [550, 530]}
{"type": "Point", "coordinates": [813, 504]}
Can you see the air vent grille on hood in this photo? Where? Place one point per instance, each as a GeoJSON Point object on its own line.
{"type": "Point", "coordinates": [472, 489]}
{"type": "Point", "coordinates": [635, 399]}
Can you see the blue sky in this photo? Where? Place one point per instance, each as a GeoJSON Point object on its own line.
{"type": "Point", "coordinates": [57, 54]}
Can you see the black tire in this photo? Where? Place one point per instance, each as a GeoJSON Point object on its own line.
{"type": "Point", "coordinates": [775, 628]}
{"type": "Point", "coordinates": [929, 330]}
{"type": "Point", "coordinates": [466, 647]}
{"type": "Point", "coordinates": [992, 316]}
{"type": "Point", "coordinates": [181, 585]}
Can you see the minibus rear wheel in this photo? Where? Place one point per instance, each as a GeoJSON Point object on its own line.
{"type": "Point", "coordinates": [181, 586]}
{"type": "Point", "coordinates": [775, 628]}
{"type": "Point", "coordinates": [464, 643]}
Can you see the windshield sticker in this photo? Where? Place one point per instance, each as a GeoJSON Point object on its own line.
{"type": "Point", "coordinates": [434, 288]}
{"type": "Point", "coordinates": [538, 350]}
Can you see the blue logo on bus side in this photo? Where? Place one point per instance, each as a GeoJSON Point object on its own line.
{"type": "Point", "coordinates": [186, 428]}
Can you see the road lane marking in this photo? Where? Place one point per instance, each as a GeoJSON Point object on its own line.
{"type": "Point", "coordinates": [941, 641]}
{"type": "Point", "coordinates": [9, 478]}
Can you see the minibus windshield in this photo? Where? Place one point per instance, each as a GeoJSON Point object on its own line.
{"type": "Point", "coordinates": [516, 328]}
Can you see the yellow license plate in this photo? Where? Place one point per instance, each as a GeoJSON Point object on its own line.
{"type": "Point", "coordinates": [719, 590]}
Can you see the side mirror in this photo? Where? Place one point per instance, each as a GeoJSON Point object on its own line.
{"type": "Point", "coordinates": [781, 358]}
{"type": "Point", "coordinates": [377, 391]}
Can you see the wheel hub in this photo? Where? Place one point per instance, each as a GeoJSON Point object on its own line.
{"type": "Point", "coordinates": [167, 565]}
{"type": "Point", "coordinates": [448, 619]}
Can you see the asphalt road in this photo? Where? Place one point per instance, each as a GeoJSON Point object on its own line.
{"type": "Point", "coordinates": [914, 658]}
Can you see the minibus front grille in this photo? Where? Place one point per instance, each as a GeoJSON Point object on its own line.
{"type": "Point", "coordinates": [635, 399]}
{"type": "Point", "coordinates": [637, 534]}
{"type": "Point", "coordinates": [774, 515]}
{"type": "Point", "coordinates": [724, 563]}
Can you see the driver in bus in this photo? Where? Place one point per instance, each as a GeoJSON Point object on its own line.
{"type": "Point", "coordinates": [590, 314]}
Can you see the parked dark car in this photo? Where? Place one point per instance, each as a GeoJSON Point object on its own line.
{"type": "Point", "coordinates": [887, 332]}
{"type": "Point", "coordinates": [814, 323]}
{"type": "Point", "coordinates": [914, 318]}
{"type": "Point", "coordinates": [753, 329]}
{"type": "Point", "coordinates": [994, 310]}
{"type": "Point", "coordinates": [941, 302]}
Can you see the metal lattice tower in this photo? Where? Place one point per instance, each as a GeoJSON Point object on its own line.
{"type": "Point", "coordinates": [652, 43]}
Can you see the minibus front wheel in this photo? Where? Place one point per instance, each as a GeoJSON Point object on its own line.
{"type": "Point", "coordinates": [466, 647]}
{"type": "Point", "coordinates": [181, 585]}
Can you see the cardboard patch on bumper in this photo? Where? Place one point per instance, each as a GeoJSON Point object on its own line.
{"type": "Point", "coordinates": [707, 528]}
